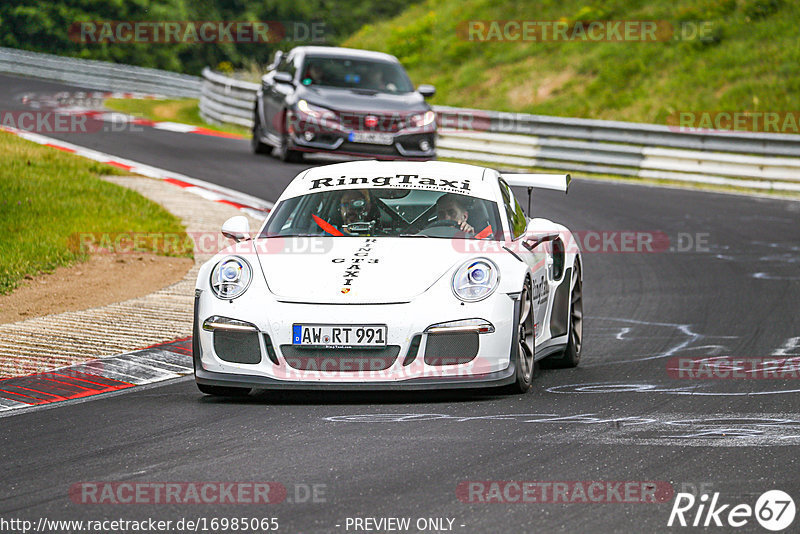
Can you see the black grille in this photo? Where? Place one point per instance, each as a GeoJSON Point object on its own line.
{"type": "Point", "coordinates": [358, 121]}
{"type": "Point", "coordinates": [340, 360]}
{"type": "Point", "coordinates": [365, 148]}
{"type": "Point", "coordinates": [451, 349]}
{"type": "Point", "coordinates": [237, 347]}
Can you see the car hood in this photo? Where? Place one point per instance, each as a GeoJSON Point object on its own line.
{"type": "Point", "coordinates": [355, 270]}
{"type": "Point", "coordinates": [352, 101]}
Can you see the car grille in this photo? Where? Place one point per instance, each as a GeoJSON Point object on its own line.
{"type": "Point", "coordinates": [364, 148]}
{"type": "Point", "coordinates": [340, 360]}
{"type": "Point", "coordinates": [386, 123]}
{"type": "Point", "coordinates": [451, 349]}
{"type": "Point", "coordinates": [237, 347]}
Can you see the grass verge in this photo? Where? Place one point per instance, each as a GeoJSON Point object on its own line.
{"type": "Point", "coordinates": [47, 198]}
{"type": "Point", "coordinates": [184, 110]}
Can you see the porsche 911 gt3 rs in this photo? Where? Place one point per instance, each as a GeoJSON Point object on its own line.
{"type": "Point", "coordinates": [404, 275]}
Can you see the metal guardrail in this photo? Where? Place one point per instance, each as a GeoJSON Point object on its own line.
{"type": "Point", "coordinates": [99, 75]}
{"type": "Point", "coordinates": [744, 159]}
{"type": "Point", "coordinates": [224, 100]}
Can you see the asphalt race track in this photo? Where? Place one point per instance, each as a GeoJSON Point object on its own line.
{"type": "Point", "coordinates": [727, 284]}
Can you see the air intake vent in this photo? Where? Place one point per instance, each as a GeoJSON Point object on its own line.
{"type": "Point", "coordinates": [451, 349]}
{"type": "Point", "coordinates": [237, 347]}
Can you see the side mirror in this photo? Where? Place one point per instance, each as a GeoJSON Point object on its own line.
{"type": "Point", "coordinates": [236, 228]}
{"type": "Point", "coordinates": [282, 77]}
{"type": "Point", "coordinates": [426, 90]}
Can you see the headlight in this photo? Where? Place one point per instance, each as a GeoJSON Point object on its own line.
{"type": "Point", "coordinates": [231, 277]}
{"type": "Point", "coordinates": [315, 111]}
{"type": "Point", "coordinates": [422, 119]}
{"type": "Point", "coordinates": [475, 280]}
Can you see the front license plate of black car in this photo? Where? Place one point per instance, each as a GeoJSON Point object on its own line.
{"type": "Point", "coordinates": [335, 335]}
{"type": "Point", "coordinates": [372, 138]}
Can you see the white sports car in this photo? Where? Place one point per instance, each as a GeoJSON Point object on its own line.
{"type": "Point", "coordinates": [402, 275]}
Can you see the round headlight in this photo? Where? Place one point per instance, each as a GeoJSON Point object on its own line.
{"type": "Point", "coordinates": [475, 280]}
{"type": "Point", "coordinates": [231, 277]}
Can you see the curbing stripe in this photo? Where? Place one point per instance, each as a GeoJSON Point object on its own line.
{"type": "Point", "coordinates": [153, 364]}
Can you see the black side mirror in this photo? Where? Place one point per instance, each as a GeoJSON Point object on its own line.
{"type": "Point", "coordinates": [426, 90]}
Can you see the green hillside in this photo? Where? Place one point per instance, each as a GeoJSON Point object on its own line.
{"type": "Point", "coordinates": [749, 58]}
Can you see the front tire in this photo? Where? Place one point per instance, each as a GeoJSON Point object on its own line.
{"type": "Point", "coordinates": [255, 141]}
{"type": "Point", "coordinates": [285, 153]}
{"type": "Point", "coordinates": [525, 348]}
{"type": "Point", "coordinates": [223, 391]}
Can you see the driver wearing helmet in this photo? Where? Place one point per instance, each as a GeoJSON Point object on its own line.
{"type": "Point", "coordinates": [358, 212]}
{"type": "Point", "coordinates": [450, 207]}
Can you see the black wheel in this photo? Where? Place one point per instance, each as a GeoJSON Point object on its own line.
{"type": "Point", "coordinates": [571, 356]}
{"type": "Point", "coordinates": [222, 391]}
{"type": "Point", "coordinates": [525, 342]}
{"type": "Point", "coordinates": [255, 141]}
{"type": "Point", "coordinates": [285, 153]}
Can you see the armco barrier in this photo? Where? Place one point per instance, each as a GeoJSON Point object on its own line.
{"type": "Point", "coordinates": [755, 160]}
{"type": "Point", "coordinates": [225, 100]}
{"type": "Point", "coordinates": [99, 75]}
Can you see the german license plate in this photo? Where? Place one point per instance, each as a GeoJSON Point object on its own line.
{"type": "Point", "coordinates": [330, 335]}
{"type": "Point", "coordinates": [372, 138]}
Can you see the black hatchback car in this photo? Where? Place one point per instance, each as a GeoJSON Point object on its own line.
{"type": "Point", "coordinates": [342, 101]}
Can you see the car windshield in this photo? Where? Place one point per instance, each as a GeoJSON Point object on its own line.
{"type": "Point", "coordinates": [398, 212]}
{"type": "Point", "coordinates": [356, 74]}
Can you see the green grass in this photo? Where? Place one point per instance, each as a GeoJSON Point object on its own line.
{"type": "Point", "coordinates": [184, 110]}
{"type": "Point", "coordinates": [750, 61]}
{"type": "Point", "coordinates": [47, 198]}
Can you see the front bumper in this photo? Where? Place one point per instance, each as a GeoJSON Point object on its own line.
{"type": "Point", "coordinates": [327, 139]}
{"type": "Point", "coordinates": [275, 363]}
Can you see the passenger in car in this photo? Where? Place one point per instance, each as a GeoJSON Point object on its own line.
{"type": "Point", "coordinates": [450, 207]}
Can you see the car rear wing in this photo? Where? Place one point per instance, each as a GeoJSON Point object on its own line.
{"type": "Point", "coordinates": [558, 182]}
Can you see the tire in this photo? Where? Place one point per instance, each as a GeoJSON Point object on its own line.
{"type": "Point", "coordinates": [255, 141]}
{"type": "Point", "coordinates": [524, 348]}
{"type": "Point", "coordinates": [223, 391]}
{"type": "Point", "coordinates": [285, 153]}
{"type": "Point", "coordinates": [571, 356]}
